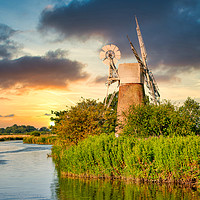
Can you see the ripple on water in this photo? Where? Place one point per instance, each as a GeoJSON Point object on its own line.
{"type": "Point", "coordinates": [3, 162]}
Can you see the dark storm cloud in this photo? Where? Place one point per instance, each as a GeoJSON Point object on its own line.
{"type": "Point", "coordinates": [8, 48]}
{"type": "Point", "coordinates": [40, 72]}
{"type": "Point", "coordinates": [171, 29]}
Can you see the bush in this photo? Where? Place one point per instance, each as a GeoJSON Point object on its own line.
{"type": "Point", "coordinates": [35, 133]}
{"type": "Point", "coordinates": [191, 108]}
{"type": "Point", "coordinates": [164, 119]}
{"type": "Point", "coordinates": [86, 118]}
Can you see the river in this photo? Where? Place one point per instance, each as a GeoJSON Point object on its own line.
{"type": "Point", "coordinates": [27, 173]}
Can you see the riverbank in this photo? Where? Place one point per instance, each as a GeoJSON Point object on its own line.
{"type": "Point", "coordinates": [154, 159]}
{"type": "Point", "coordinates": [12, 137]}
{"type": "Point", "coordinates": [43, 139]}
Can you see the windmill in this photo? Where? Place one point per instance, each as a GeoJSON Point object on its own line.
{"type": "Point", "coordinates": [149, 78]}
{"type": "Point", "coordinates": [110, 55]}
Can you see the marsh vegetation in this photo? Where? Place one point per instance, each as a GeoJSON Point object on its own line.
{"type": "Point", "coordinates": [158, 142]}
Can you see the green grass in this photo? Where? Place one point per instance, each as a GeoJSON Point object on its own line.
{"type": "Point", "coordinates": [162, 159]}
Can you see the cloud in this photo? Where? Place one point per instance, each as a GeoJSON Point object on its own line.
{"type": "Point", "coordinates": [5, 116]}
{"type": "Point", "coordinates": [4, 99]}
{"type": "Point", "coordinates": [41, 72]}
{"type": "Point", "coordinates": [59, 53]}
{"type": "Point", "coordinates": [100, 79]}
{"type": "Point", "coordinates": [46, 114]}
{"type": "Point", "coordinates": [167, 78]}
{"type": "Point", "coordinates": [170, 29]}
{"type": "Point", "coordinates": [8, 48]}
{"type": "Point", "coordinates": [6, 32]}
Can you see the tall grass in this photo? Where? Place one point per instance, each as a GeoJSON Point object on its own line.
{"type": "Point", "coordinates": [168, 159]}
{"type": "Point", "coordinates": [46, 139]}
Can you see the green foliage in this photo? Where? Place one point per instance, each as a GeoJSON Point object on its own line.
{"type": "Point", "coordinates": [19, 129]}
{"type": "Point", "coordinates": [191, 108]}
{"type": "Point", "coordinates": [88, 117]}
{"type": "Point", "coordinates": [173, 155]}
{"type": "Point", "coordinates": [44, 129]}
{"type": "Point", "coordinates": [156, 158]}
{"type": "Point", "coordinates": [164, 119]}
{"type": "Point", "coordinates": [2, 131]}
{"type": "Point", "coordinates": [35, 133]}
{"type": "Point", "coordinates": [15, 129]}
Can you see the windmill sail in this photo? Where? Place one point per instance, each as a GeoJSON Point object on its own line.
{"type": "Point", "coordinates": [135, 52]}
{"type": "Point", "coordinates": [142, 47]}
{"type": "Point", "coordinates": [150, 80]}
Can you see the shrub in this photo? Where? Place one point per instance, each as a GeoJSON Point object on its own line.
{"type": "Point", "coordinates": [86, 118]}
{"type": "Point", "coordinates": [164, 119]}
{"type": "Point", "coordinates": [35, 133]}
{"type": "Point", "coordinates": [191, 108]}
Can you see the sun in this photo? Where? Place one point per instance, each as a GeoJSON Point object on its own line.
{"type": "Point", "coordinates": [52, 123]}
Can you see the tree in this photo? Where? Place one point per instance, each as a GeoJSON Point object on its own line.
{"type": "Point", "coordinates": [192, 109]}
{"type": "Point", "coordinates": [19, 129]}
{"type": "Point", "coordinates": [88, 117]}
{"type": "Point", "coordinates": [30, 128]}
{"type": "Point", "coordinates": [45, 129]}
{"type": "Point", "coordinates": [2, 130]}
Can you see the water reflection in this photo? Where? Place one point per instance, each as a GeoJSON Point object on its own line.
{"type": "Point", "coordinates": [68, 188]}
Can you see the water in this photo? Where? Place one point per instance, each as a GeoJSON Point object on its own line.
{"type": "Point", "coordinates": [80, 189]}
{"type": "Point", "coordinates": [27, 173]}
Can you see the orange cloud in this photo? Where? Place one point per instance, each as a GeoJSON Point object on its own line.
{"type": "Point", "coordinates": [50, 71]}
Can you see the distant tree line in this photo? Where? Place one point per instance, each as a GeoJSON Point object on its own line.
{"type": "Point", "coordinates": [22, 129]}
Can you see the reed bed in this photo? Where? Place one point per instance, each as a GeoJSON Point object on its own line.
{"type": "Point", "coordinates": [12, 137]}
{"type": "Point", "coordinates": [159, 159]}
{"type": "Point", "coordinates": [46, 139]}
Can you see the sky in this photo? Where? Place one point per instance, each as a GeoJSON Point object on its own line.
{"type": "Point", "coordinates": [49, 51]}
